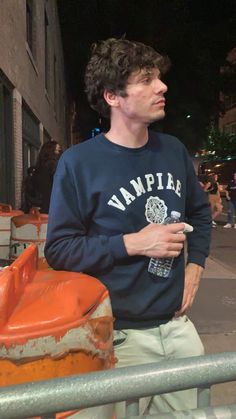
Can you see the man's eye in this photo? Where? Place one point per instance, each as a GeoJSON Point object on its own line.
{"type": "Point", "coordinates": [147, 80]}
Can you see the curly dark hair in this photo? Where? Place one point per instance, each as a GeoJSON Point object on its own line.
{"type": "Point", "coordinates": [112, 62]}
{"type": "Point", "coordinates": [48, 152]}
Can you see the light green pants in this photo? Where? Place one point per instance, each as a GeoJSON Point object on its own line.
{"type": "Point", "coordinates": [176, 339]}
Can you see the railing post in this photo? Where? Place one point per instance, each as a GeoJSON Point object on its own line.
{"type": "Point", "coordinates": [132, 408]}
{"type": "Point", "coordinates": [112, 386]}
{"type": "Point", "coordinates": [203, 397]}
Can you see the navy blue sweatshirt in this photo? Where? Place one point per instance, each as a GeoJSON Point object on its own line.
{"type": "Point", "coordinates": [102, 191]}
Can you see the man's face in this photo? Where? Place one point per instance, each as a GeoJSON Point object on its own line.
{"type": "Point", "coordinates": [145, 100]}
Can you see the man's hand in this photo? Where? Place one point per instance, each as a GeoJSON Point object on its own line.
{"type": "Point", "coordinates": [156, 241]}
{"type": "Point", "coordinates": [192, 279]}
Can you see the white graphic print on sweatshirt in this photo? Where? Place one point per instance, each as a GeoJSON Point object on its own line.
{"type": "Point", "coordinates": [155, 210]}
{"type": "Point", "coordinates": [140, 186]}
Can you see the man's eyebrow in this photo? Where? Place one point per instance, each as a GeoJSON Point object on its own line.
{"type": "Point", "coordinates": [143, 74]}
{"type": "Point", "coordinates": [149, 72]}
{"type": "Point", "coordinates": [146, 72]}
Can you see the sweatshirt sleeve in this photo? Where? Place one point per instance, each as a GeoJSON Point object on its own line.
{"type": "Point", "coordinates": [69, 245]}
{"type": "Point", "coordinates": [198, 214]}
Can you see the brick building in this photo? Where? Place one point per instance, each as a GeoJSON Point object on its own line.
{"type": "Point", "coordinates": [227, 122]}
{"type": "Point", "coordinates": [32, 88]}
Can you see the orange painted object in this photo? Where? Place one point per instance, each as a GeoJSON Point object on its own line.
{"type": "Point", "coordinates": [52, 323]}
{"type": "Point", "coordinates": [27, 229]}
{"type": "Point", "coordinates": [6, 213]}
{"type": "Point", "coordinates": [6, 292]}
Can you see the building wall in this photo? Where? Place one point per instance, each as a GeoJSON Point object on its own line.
{"type": "Point", "coordinates": [227, 122]}
{"type": "Point", "coordinates": [24, 69]}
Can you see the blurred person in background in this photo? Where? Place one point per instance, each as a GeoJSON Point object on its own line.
{"type": "Point", "coordinates": [30, 196]}
{"type": "Point", "coordinates": [203, 180]}
{"type": "Point", "coordinates": [213, 190]}
{"type": "Point", "coordinates": [45, 168]}
{"type": "Point", "coordinates": [230, 192]}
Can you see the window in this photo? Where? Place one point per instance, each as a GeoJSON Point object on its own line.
{"type": "Point", "coordinates": [46, 50]}
{"type": "Point", "coordinates": [55, 83]}
{"type": "Point", "coordinates": [30, 154]}
{"type": "Point", "coordinates": [6, 143]}
{"type": "Point", "coordinates": [31, 140]}
{"type": "Point", "coordinates": [230, 100]}
{"type": "Point", "coordinates": [46, 136]}
{"type": "Point", "coordinates": [29, 23]}
{"type": "Point", "coordinates": [230, 128]}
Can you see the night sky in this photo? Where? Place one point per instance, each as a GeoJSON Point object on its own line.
{"type": "Point", "coordinates": [196, 35]}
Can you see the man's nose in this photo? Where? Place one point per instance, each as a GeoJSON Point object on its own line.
{"type": "Point", "coordinates": [159, 86]}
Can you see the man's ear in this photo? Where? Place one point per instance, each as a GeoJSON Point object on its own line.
{"type": "Point", "coordinates": [111, 98]}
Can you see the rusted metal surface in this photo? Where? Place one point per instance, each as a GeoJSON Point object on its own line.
{"type": "Point", "coordinates": [52, 323]}
{"type": "Point", "coordinates": [84, 337]}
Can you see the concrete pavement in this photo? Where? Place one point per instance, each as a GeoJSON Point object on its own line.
{"type": "Point", "coordinates": [214, 314]}
{"type": "Point", "coordinates": [218, 269]}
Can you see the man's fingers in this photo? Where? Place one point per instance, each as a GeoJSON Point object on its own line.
{"type": "Point", "coordinates": [175, 247]}
{"type": "Point", "coordinates": [178, 238]}
{"type": "Point", "coordinates": [176, 227]}
{"type": "Point", "coordinates": [180, 228]}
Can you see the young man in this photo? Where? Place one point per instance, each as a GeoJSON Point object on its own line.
{"type": "Point", "coordinates": [230, 192]}
{"type": "Point", "coordinates": [110, 198]}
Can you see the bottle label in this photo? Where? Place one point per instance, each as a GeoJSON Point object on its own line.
{"type": "Point", "coordinates": [162, 267]}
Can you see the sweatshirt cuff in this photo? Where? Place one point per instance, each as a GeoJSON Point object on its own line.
{"type": "Point", "coordinates": [117, 247]}
{"type": "Point", "coordinates": [197, 258]}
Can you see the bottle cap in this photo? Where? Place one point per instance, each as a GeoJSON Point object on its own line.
{"type": "Point", "coordinates": [175, 214]}
{"type": "Point", "coordinates": [187, 228]}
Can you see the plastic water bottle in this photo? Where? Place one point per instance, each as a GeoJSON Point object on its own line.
{"type": "Point", "coordinates": [162, 267]}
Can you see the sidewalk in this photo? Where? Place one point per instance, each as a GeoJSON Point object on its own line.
{"type": "Point", "coordinates": [221, 394]}
{"type": "Point", "coordinates": [216, 269]}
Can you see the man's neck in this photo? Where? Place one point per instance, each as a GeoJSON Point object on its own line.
{"type": "Point", "coordinates": [130, 135]}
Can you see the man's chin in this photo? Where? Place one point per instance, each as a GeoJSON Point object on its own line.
{"type": "Point", "coordinates": [154, 118]}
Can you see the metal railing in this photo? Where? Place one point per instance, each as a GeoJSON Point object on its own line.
{"type": "Point", "coordinates": [130, 384]}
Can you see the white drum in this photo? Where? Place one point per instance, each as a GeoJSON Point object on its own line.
{"type": "Point", "coordinates": [26, 229]}
{"type": "Point", "coordinates": [6, 214]}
